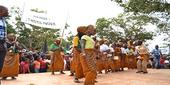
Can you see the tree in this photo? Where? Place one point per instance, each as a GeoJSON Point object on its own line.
{"type": "Point", "coordinates": [159, 9]}
{"type": "Point", "coordinates": [19, 26]}
{"type": "Point", "coordinates": [126, 25]}
{"type": "Point", "coordinates": [38, 35]}
{"type": "Point", "coordinates": [144, 6]}
{"type": "Point", "coordinates": [10, 28]}
{"type": "Point", "coordinates": [104, 29]}
{"type": "Point", "coordinates": [134, 26]}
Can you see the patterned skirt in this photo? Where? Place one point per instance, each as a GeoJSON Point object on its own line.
{"type": "Point", "coordinates": [11, 65]}
{"type": "Point", "coordinates": [57, 61]}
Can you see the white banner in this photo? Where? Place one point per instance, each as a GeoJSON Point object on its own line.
{"type": "Point", "coordinates": [38, 19]}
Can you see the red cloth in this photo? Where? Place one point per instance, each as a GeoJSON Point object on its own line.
{"type": "Point", "coordinates": [25, 66]}
{"type": "Point", "coordinates": [42, 64]}
{"type": "Point", "coordinates": [162, 61]}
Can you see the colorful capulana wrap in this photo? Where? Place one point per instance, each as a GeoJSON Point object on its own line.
{"type": "Point", "coordinates": [57, 61]}
{"type": "Point", "coordinates": [75, 63]}
{"type": "Point", "coordinates": [116, 57]}
{"type": "Point", "coordinates": [89, 67]}
{"type": "Point", "coordinates": [11, 65]}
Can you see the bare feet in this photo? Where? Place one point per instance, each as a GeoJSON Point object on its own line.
{"type": "Point", "coordinates": [3, 78]}
{"type": "Point", "coordinates": [138, 71]}
{"type": "Point", "coordinates": [76, 80]}
{"type": "Point", "coordinates": [52, 73]}
{"type": "Point", "coordinates": [13, 78]}
{"type": "Point", "coordinates": [62, 72]}
{"type": "Point", "coordinates": [72, 74]}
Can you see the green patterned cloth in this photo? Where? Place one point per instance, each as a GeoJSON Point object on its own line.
{"type": "Point", "coordinates": [54, 47]}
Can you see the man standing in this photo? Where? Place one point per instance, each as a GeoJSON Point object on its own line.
{"type": "Point", "coordinates": [3, 50]}
{"type": "Point", "coordinates": [157, 54]}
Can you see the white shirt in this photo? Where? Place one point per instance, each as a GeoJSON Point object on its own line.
{"type": "Point", "coordinates": [104, 47]}
{"type": "Point", "coordinates": [125, 51]}
{"type": "Point", "coordinates": [111, 49]}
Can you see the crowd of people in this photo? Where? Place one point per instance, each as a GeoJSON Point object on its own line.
{"type": "Point", "coordinates": [88, 58]}
{"type": "Point", "coordinates": [33, 62]}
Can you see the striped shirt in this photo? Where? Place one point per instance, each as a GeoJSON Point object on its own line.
{"type": "Point", "coordinates": [2, 29]}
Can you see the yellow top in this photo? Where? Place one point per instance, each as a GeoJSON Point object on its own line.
{"type": "Point", "coordinates": [75, 41]}
{"type": "Point", "coordinates": [89, 42]}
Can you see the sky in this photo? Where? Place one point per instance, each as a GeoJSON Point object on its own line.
{"type": "Point", "coordinates": [74, 12]}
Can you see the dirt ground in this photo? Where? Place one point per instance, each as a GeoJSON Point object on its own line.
{"type": "Point", "coordinates": [128, 77]}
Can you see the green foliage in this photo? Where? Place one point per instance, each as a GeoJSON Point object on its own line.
{"type": "Point", "coordinates": [10, 28]}
{"type": "Point", "coordinates": [126, 25]}
{"type": "Point", "coordinates": [158, 9]}
{"type": "Point", "coordinates": [38, 36]}
{"type": "Point", "coordinates": [104, 29]}
{"type": "Point", "coordinates": [144, 6]}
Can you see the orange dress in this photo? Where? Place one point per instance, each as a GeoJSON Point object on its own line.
{"type": "Point", "coordinates": [89, 67]}
{"type": "Point", "coordinates": [11, 65]}
{"type": "Point", "coordinates": [131, 60]}
{"type": "Point", "coordinates": [105, 61]}
{"type": "Point", "coordinates": [98, 58]}
{"type": "Point", "coordinates": [57, 61]}
{"type": "Point", "coordinates": [117, 61]}
{"type": "Point", "coordinates": [75, 63]}
{"type": "Point", "coordinates": [88, 61]}
{"type": "Point", "coordinates": [99, 62]}
{"type": "Point", "coordinates": [111, 62]}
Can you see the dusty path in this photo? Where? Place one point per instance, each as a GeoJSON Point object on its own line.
{"type": "Point", "coordinates": [129, 77]}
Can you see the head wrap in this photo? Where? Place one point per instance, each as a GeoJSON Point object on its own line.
{"type": "Point", "coordinates": [82, 29]}
{"type": "Point", "coordinates": [11, 37]}
{"type": "Point", "coordinates": [3, 11]}
{"type": "Point", "coordinates": [92, 29]}
{"type": "Point", "coordinates": [58, 40]}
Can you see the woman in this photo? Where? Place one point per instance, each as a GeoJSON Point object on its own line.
{"type": "Point", "coordinates": [111, 60]}
{"type": "Point", "coordinates": [57, 61]}
{"type": "Point", "coordinates": [76, 65]}
{"type": "Point", "coordinates": [25, 66]}
{"type": "Point", "coordinates": [11, 63]}
{"type": "Point", "coordinates": [143, 57]}
{"type": "Point", "coordinates": [88, 56]}
{"type": "Point", "coordinates": [37, 65]}
{"type": "Point", "coordinates": [43, 65]}
{"type": "Point", "coordinates": [99, 61]}
{"type": "Point", "coordinates": [117, 55]}
{"type": "Point", "coordinates": [131, 59]}
{"type": "Point", "coordinates": [104, 49]}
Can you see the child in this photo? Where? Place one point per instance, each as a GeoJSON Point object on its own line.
{"type": "Point", "coordinates": [36, 65]}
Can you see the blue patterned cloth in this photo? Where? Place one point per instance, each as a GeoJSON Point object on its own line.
{"type": "Point", "coordinates": [2, 28]}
